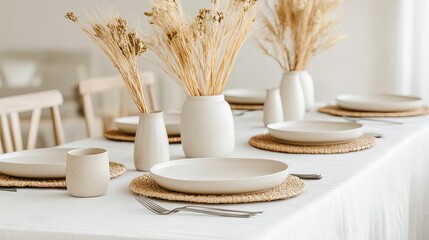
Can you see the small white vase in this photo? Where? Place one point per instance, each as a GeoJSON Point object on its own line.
{"type": "Point", "coordinates": [308, 89]}
{"type": "Point", "coordinates": [292, 96]}
{"type": "Point", "coordinates": [151, 142]}
{"type": "Point", "coordinates": [207, 128]}
{"type": "Point", "coordinates": [273, 111]}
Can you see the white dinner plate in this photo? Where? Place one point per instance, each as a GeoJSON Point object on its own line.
{"type": "Point", "coordinates": [378, 102]}
{"type": "Point", "coordinates": [37, 163]}
{"type": "Point", "coordinates": [245, 96]}
{"type": "Point", "coordinates": [315, 132]}
{"type": "Point", "coordinates": [129, 124]}
{"type": "Point", "coordinates": [220, 175]}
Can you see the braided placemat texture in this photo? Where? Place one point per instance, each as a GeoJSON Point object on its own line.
{"type": "Point", "coordinates": [337, 111]}
{"type": "Point", "coordinates": [266, 142]}
{"type": "Point", "coordinates": [246, 106]}
{"type": "Point", "coordinates": [116, 169]}
{"type": "Point", "coordinates": [117, 135]}
{"type": "Point", "coordinates": [146, 186]}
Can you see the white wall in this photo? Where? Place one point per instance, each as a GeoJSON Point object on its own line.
{"type": "Point", "coordinates": [359, 64]}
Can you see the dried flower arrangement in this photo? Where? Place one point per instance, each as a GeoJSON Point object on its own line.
{"type": "Point", "coordinates": [295, 30]}
{"type": "Point", "coordinates": [199, 52]}
{"type": "Point", "coordinates": [122, 45]}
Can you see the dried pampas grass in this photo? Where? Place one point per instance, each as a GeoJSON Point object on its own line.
{"type": "Point", "coordinates": [295, 30]}
{"type": "Point", "coordinates": [199, 52]}
{"type": "Point", "coordinates": [122, 45]}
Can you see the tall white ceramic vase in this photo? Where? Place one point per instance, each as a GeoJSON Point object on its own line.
{"type": "Point", "coordinates": [151, 142]}
{"type": "Point", "coordinates": [273, 110]}
{"type": "Point", "coordinates": [292, 96]}
{"type": "Point", "coordinates": [308, 89]}
{"type": "Point", "coordinates": [207, 127]}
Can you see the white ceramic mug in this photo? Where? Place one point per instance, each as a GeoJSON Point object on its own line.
{"type": "Point", "coordinates": [87, 172]}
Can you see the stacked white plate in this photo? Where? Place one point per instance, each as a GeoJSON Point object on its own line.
{"type": "Point", "coordinates": [378, 102]}
{"type": "Point", "coordinates": [245, 96]}
{"type": "Point", "coordinates": [315, 132]}
{"type": "Point", "coordinates": [129, 124]}
{"type": "Point", "coordinates": [220, 175]}
{"type": "Point", "coordinates": [37, 163]}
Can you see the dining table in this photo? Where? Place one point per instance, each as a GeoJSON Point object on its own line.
{"type": "Point", "coordinates": [378, 193]}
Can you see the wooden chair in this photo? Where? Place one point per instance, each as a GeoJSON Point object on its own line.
{"type": "Point", "coordinates": [35, 102]}
{"type": "Point", "coordinates": [109, 83]}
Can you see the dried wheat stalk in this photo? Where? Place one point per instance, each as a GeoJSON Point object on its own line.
{"type": "Point", "coordinates": [295, 30]}
{"type": "Point", "coordinates": [199, 52]}
{"type": "Point", "coordinates": [122, 46]}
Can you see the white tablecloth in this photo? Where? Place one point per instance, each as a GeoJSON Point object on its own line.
{"type": "Point", "coordinates": [380, 193]}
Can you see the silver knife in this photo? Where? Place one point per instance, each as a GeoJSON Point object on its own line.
{"type": "Point", "coordinates": [310, 176]}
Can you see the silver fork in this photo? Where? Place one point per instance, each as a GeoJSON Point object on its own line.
{"type": "Point", "coordinates": [352, 119]}
{"type": "Point", "coordinates": [155, 208]}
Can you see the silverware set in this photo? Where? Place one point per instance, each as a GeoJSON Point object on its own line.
{"type": "Point", "coordinates": [7, 189]}
{"type": "Point", "coordinates": [354, 119]}
{"type": "Point", "coordinates": [240, 113]}
{"type": "Point", "coordinates": [156, 208]}
{"type": "Point", "coordinates": [376, 135]}
{"type": "Point", "coordinates": [310, 176]}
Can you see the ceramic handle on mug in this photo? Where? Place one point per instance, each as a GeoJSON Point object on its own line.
{"type": "Point", "coordinates": [88, 172]}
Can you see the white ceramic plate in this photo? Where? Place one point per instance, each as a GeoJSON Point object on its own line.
{"type": "Point", "coordinates": [245, 96]}
{"type": "Point", "coordinates": [378, 102]}
{"type": "Point", "coordinates": [129, 124]}
{"type": "Point", "coordinates": [219, 175]}
{"type": "Point", "coordinates": [315, 132]}
{"type": "Point", "coordinates": [37, 163]}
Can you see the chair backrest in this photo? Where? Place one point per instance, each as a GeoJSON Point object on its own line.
{"type": "Point", "coordinates": [109, 83]}
{"type": "Point", "coordinates": [10, 107]}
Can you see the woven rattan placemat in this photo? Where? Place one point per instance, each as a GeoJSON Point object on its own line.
{"type": "Point", "coordinates": [125, 137]}
{"type": "Point", "coordinates": [337, 111]}
{"type": "Point", "coordinates": [266, 142]}
{"type": "Point", "coordinates": [116, 169]}
{"type": "Point", "coordinates": [246, 106]}
{"type": "Point", "coordinates": [146, 186]}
